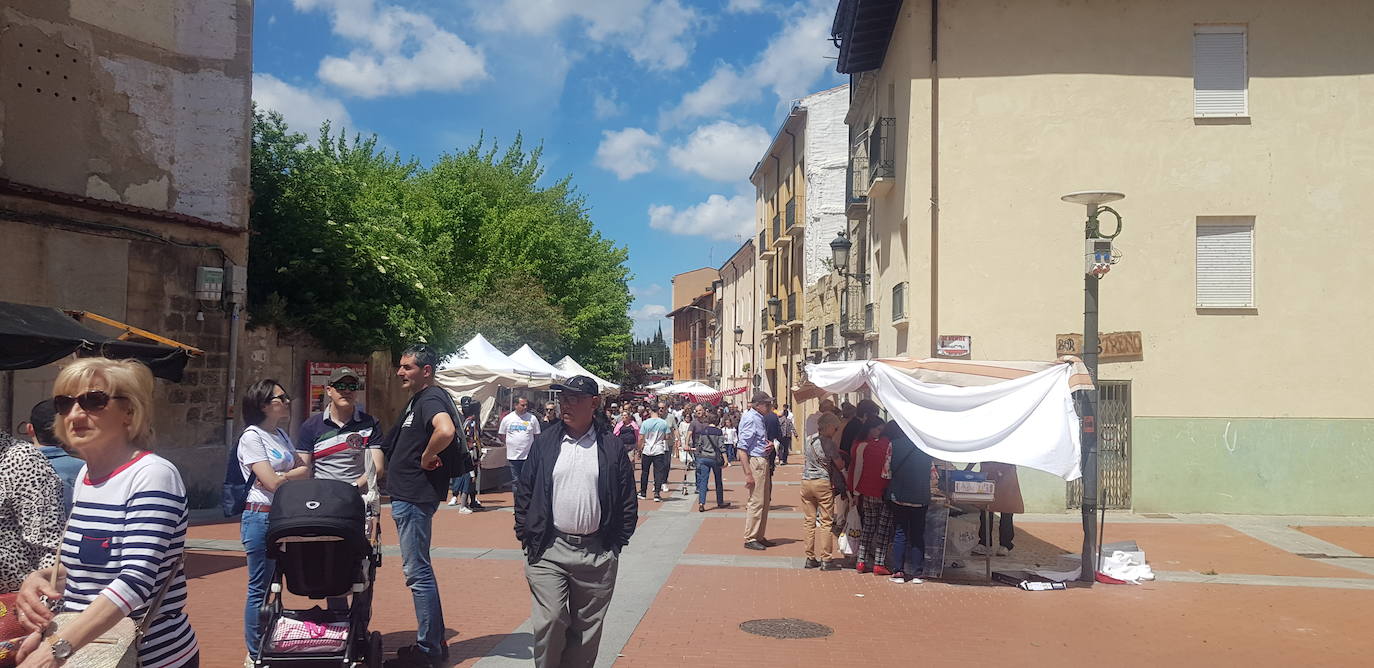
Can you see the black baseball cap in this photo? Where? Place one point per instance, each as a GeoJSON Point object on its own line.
{"type": "Point", "coordinates": [579, 385]}
{"type": "Point", "coordinates": [42, 417]}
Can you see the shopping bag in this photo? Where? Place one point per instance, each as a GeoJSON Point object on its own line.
{"type": "Point", "coordinates": [853, 526]}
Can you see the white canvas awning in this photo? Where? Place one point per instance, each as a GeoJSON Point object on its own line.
{"type": "Point", "coordinates": [570, 367]}
{"type": "Point", "coordinates": [526, 357]}
{"type": "Point", "coordinates": [687, 387]}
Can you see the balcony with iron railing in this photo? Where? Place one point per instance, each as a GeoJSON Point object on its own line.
{"type": "Point", "coordinates": [856, 185]}
{"type": "Point", "coordinates": [777, 227]}
{"type": "Point", "coordinates": [791, 315]}
{"type": "Point", "coordinates": [882, 162]}
{"type": "Point", "coordinates": [791, 215]}
{"type": "Point", "coordinates": [856, 315]}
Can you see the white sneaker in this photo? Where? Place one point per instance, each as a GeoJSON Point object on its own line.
{"type": "Point", "coordinates": [453, 501]}
{"type": "Point", "coordinates": [1002, 551]}
{"type": "Point", "coordinates": [464, 510]}
{"type": "Point", "coordinates": [980, 550]}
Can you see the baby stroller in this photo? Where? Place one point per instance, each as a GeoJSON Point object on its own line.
{"type": "Point", "coordinates": [325, 545]}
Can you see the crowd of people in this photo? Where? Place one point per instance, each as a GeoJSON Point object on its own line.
{"type": "Point", "coordinates": [94, 522]}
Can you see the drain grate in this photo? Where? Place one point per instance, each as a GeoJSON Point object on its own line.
{"type": "Point", "coordinates": [785, 628]}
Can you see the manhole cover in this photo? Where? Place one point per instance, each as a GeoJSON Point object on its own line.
{"type": "Point", "coordinates": [786, 628]}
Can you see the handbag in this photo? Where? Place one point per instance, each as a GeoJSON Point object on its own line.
{"type": "Point", "coordinates": [118, 646]}
{"type": "Point", "coordinates": [12, 633]}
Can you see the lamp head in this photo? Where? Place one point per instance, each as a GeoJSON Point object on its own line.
{"type": "Point", "coordinates": [775, 308]}
{"type": "Point", "coordinates": [739, 335]}
{"type": "Point", "coordinates": [1092, 197]}
{"type": "Point", "coordinates": [839, 251]}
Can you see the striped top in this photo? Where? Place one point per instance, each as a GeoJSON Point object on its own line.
{"type": "Point", "coordinates": [126, 531]}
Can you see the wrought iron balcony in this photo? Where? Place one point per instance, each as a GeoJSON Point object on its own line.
{"type": "Point", "coordinates": [882, 163]}
{"type": "Point", "coordinates": [856, 315]}
{"type": "Point", "coordinates": [856, 185]}
{"type": "Point", "coordinates": [791, 214]}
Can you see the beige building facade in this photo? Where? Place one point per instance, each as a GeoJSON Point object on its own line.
{"type": "Point", "coordinates": [738, 333]}
{"type": "Point", "coordinates": [1237, 130]}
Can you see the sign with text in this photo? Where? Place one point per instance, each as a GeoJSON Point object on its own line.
{"type": "Point", "coordinates": [954, 346]}
{"type": "Point", "coordinates": [1112, 346]}
{"type": "Point", "coordinates": [317, 375]}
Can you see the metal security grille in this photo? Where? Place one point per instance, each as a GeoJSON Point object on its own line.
{"type": "Point", "coordinates": [1113, 448]}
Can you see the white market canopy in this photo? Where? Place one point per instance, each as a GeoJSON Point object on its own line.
{"type": "Point", "coordinates": [526, 357]}
{"type": "Point", "coordinates": [686, 387]}
{"type": "Point", "coordinates": [1019, 413]}
{"type": "Point", "coordinates": [479, 352]}
{"type": "Point", "coordinates": [570, 367]}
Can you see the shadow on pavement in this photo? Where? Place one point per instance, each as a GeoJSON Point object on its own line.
{"type": "Point", "coordinates": [201, 564]}
{"type": "Point", "coordinates": [467, 648]}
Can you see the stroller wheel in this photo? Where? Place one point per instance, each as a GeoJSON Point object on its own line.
{"type": "Point", "coordinates": [374, 650]}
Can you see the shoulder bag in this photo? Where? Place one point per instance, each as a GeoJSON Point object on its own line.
{"type": "Point", "coordinates": [118, 646]}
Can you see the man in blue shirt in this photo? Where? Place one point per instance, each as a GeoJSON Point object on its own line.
{"type": "Point", "coordinates": [40, 432]}
{"type": "Point", "coordinates": [756, 447]}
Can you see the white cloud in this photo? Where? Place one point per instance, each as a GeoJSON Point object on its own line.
{"type": "Point", "coordinates": [657, 34]}
{"type": "Point", "coordinates": [647, 291]}
{"type": "Point", "coordinates": [648, 319]}
{"type": "Point", "coordinates": [744, 6]}
{"type": "Point", "coordinates": [628, 152]}
{"type": "Point", "coordinates": [399, 51]}
{"type": "Point", "coordinates": [725, 88]}
{"type": "Point", "coordinates": [303, 110]}
{"type": "Point", "coordinates": [719, 217]}
{"type": "Point", "coordinates": [721, 151]}
{"type": "Point", "coordinates": [649, 312]}
{"type": "Point", "coordinates": [606, 105]}
{"type": "Point", "coordinates": [791, 64]}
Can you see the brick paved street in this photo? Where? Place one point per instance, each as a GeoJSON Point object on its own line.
{"type": "Point", "coordinates": [1232, 590]}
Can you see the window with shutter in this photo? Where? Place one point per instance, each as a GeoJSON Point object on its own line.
{"type": "Point", "coordinates": [1219, 72]}
{"type": "Point", "coordinates": [1225, 262]}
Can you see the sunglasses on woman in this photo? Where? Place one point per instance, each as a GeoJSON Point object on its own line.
{"type": "Point", "coordinates": [283, 398]}
{"type": "Point", "coordinates": [90, 401]}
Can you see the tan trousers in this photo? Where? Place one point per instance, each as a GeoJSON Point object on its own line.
{"type": "Point", "coordinates": [756, 509]}
{"type": "Point", "coordinates": [818, 503]}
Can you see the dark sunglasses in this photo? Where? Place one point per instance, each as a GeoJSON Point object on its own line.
{"type": "Point", "coordinates": [90, 401]}
{"type": "Point", "coordinates": [344, 386]}
{"type": "Point", "coordinates": [283, 397]}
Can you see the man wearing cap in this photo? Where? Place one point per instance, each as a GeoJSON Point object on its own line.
{"type": "Point", "coordinates": [756, 447]}
{"type": "Point", "coordinates": [575, 508]}
{"type": "Point", "coordinates": [337, 441]}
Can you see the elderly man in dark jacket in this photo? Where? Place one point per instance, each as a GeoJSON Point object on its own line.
{"type": "Point", "coordinates": [908, 493]}
{"type": "Point", "coordinates": [575, 508]}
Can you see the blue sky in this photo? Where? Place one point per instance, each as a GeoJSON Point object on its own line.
{"type": "Point", "coordinates": [658, 108]}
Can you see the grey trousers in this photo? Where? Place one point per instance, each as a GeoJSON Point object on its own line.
{"type": "Point", "coordinates": [571, 587]}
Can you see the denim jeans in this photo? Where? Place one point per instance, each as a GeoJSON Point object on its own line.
{"type": "Point", "coordinates": [909, 544]}
{"type": "Point", "coordinates": [253, 534]}
{"type": "Point", "coordinates": [516, 466]}
{"type": "Point", "coordinates": [414, 527]}
{"type": "Point", "coordinates": [706, 467]}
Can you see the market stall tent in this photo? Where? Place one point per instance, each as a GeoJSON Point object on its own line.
{"type": "Point", "coordinates": [526, 357]}
{"type": "Point", "coordinates": [570, 367]}
{"type": "Point", "coordinates": [686, 387]}
{"type": "Point", "coordinates": [1018, 413]}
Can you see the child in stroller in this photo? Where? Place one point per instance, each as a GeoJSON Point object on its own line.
{"type": "Point", "coordinates": [325, 545]}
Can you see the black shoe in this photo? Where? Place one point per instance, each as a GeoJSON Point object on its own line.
{"type": "Point", "coordinates": [755, 545]}
{"type": "Point", "coordinates": [411, 656]}
{"type": "Point", "coordinates": [722, 504]}
{"type": "Point", "coordinates": [812, 563]}
{"type": "Point", "coordinates": [477, 505]}
{"type": "Point", "coordinates": [701, 507]}
{"type": "Point", "coordinates": [831, 566]}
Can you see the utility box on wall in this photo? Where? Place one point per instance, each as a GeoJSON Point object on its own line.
{"type": "Point", "coordinates": [209, 284]}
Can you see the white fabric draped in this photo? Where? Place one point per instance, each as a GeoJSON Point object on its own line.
{"type": "Point", "coordinates": [1028, 421]}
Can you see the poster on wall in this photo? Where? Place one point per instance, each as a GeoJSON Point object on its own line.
{"type": "Point", "coordinates": [318, 375]}
{"type": "Point", "coordinates": [954, 346]}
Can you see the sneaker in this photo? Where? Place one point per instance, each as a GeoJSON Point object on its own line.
{"type": "Point", "coordinates": [465, 510]}
{"type": "Point", "coordinates": [476, 505]}
{"type": "Point", "coordinates": [411, 656]}
{"type": "Point", "coordinates": [248, 661]}
{"type": "Point", "coordinates": [453, 501]}
{"type": "Point", "coordinates": [980, 550]}
{"type": "Point", "coordinates": [811, 563]}
{"type": "Point", "coordinates": [1002, 551]}
{"type": "Point", "coordinates": [881, 570]}
{"type": "Point", "coordinates": [754, 545]}
{"type": "Point", "coordinates": [641, 496]}
{"type": "Point", "coordinates": [701, 507]}
{"type": "Point", "coordinates": [861, 567]}
{"type": "Point", "coordinates": [898, 577]}
{"type": "Point", "coordinates": [831, 566]}
{"type": "Point", "coordinates": [658, 499]}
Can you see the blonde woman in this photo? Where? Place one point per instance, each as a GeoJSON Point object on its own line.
{"type": "Point", "coordinates": [127, 528]}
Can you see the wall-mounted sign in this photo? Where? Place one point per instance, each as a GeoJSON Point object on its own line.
{"type": "Point", "coordinates": [954, 346]}
{"type": "Point", "coordinates": [317, 374]}
{"type": "Point", "coordinates": [1114, 346]}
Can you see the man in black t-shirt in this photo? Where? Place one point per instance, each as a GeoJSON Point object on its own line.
{"type": "Point", "coordinates": [417, 485]}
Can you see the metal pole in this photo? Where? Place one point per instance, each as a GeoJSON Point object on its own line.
{"type": "Point", "coordinates": [1088, 421]}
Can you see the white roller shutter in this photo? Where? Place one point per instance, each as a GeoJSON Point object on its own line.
{"type": "Point", "coordinates": [1219, 74]}
{"type": "Point", "coordinates": [1226, 265]}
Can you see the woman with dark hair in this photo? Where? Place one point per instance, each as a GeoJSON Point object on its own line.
{"type": "Point", "coordinates": [464, 487]}
{"type": "Point", "coordinates": [267, 457]}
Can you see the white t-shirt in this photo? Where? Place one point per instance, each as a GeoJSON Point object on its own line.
{"type": "Point", "coordinates": [256, 445]}
{"type": "Point", "coordinates": [519, 432]}
{"type": "Point", "coordinates": [656, 435]}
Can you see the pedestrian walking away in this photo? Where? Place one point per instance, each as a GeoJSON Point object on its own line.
{"type": "Point", "coordinates": [817, 494]}
{"type": "Point", "coordinates": [654, 436]}
{"type": "Point", "coordinates": [756, 449]}
{"type": "Point", "coordinates": [517, 431]}
{"type": "Point", "coordinates": [788, 429]}
{"type": "Point", "coordinates": [575, 509]}
{"type": "Point", "coordinates": [708, 450]}
{"type": "Point", "coordinates": [417, 484]}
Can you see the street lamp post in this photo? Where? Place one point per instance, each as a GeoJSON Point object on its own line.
{"type": "Point", "coordinates": [839, 256]}
{"type": "Point", "coordinates": [1097, 263]}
